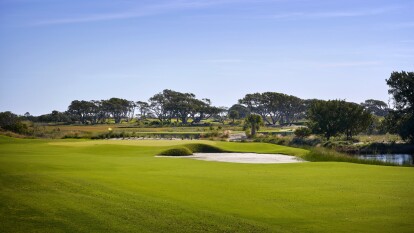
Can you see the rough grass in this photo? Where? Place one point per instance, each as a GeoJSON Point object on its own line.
{"type": "Point", "coordinates": [92, 186]}
{"type": "Point", "coordinates": [319, 154]}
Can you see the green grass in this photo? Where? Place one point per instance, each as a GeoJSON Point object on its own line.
{"type": "Point", "coordinates": [120, 186]}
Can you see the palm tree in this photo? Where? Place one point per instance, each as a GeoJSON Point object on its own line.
{"type": "Point", "coordinates": [253, 121]}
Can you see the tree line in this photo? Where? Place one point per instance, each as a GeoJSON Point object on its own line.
{"type": "Point", "coordinates": [168, 106]}
{"type": "Point", "coordinates": [328, 118]}
{"type": "Point", "coordinates": [165, 106]}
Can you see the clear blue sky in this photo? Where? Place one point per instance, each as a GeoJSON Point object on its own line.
{"type": "Point", "coordinates": [56, 51]}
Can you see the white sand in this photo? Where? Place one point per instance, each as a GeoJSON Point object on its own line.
{"type": "Point", "coordinates": [243, 157]}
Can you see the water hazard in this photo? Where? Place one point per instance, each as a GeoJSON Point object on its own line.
{"type": "Point", "coordinates": [401, 159]}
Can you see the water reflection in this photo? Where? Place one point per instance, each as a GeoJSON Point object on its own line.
{"type": "Point", "coordinates": [392, 158]}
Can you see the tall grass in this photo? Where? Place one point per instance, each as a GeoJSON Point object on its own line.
{"type": "Point", "coordinates": [319, 154]}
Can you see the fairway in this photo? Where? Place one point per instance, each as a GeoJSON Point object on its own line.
{"type": "Point", "coordinates": [120, 186]}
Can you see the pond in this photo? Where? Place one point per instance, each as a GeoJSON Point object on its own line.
{"type": "Point", "coordinates": [392, 158]}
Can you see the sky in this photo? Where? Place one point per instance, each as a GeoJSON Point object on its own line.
{"type": "Point", "coordinates": [56, 51]}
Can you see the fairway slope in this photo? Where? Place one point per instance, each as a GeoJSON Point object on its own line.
{"type": "Point", "coordinates": [100, 186]}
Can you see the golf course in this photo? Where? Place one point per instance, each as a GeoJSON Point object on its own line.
{"type": "Point", "coordinates": [121, 186]}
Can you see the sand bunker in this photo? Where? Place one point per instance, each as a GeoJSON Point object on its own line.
{"type": "Point", "coordinates": [243, 158]}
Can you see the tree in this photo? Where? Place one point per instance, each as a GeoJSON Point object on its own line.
{"type": "Point", "coordinates": [402, 89]}
{"type": "Point", "coordinates": [98, 113]}
{"type": "Point", "coordinates": [291, 108]}
{"type": "Point", "coordinates": [157, 105]}
{"type": "Point", "coordinates": [241, 110]}
{"type": "Point", "coordinates": [55, 116]}
{"type": "Point", "coordinates": [170, 104]}
{"type": "Point", "coordinates": [253, 122]}
{"type": "Point", "coordinates": [335, 117]}
{"type": "Point", "coordinates": [117, 108]}
{"type": "Point", "coordinates": [355, 119]}
{"type": "Point", "coordinates": [400, 123]}
{"type": "Point", "coordinates": [255, 104]}
{"type": "Point", "coordinates": [233, 114]}
{"type": "Point", "coordinates": [376, 107]}
{"type": "Point", "coordinates": [401, 119]}
{"type": "Point", "coordinates": [273, 102]}
{"type": "Point", "coordinates": [143, 109]}
{"type": "Point", "coordinates": [10, 121]}
{"type": "Point", "coordinates": [82, 109]}
{"type": "Point", "coordinates": [275, 107]}
{"type": "Point", "coordinates": [324, 118]}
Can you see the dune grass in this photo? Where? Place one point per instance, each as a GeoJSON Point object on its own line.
{"type": "Point", "coordinates": [94, 186]}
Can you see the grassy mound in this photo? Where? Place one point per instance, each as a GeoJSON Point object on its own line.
{"type": "Point", "coordinates": [179, 151]}
{"type": "Point", "coordinates": [203, 148]}
{"type": "Point", "coordinates": [189, 149]}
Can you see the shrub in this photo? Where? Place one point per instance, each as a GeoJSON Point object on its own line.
{"type": "Point", "coordinates": [179, 151]}
{"type": "Point", "coordinates": [273, 139]}
{"type": "Point", "coordinates": [305, 141]}
{"type": "Point", "coordinates": [303, 132]}
{"type": "Point", "coordinates": [10, 121]}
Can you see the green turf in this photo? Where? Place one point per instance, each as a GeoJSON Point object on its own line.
{"type": "Point", "coordinates": [94, 186]}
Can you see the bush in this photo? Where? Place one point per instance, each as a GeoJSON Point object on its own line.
{"type": "Point", "coordinates": [303, 132]}
{"type": "Point", "coordinates": [273, 140]}
{"type": "Point", "coordinates": [10, 121]}
{"type": "Point", "coordinates": [155, 123]}
{"type": "Point", "coordinates": [305, 141]}
{"type": "Point", "coordinates": [179, 151]}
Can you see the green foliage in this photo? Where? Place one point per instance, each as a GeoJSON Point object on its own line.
{"type": "Point", "coordinates": [241, 110]}
{"type": "Point", "coordinates": [401, 86]}
{"type": "Point", "coordinates": [335, 117]}
{"type": "Point", "coordinates": [275, 107]}
{"type": "Point", "coordinates": [377, 126]}
{"type": "Point", "coordinates": [233, 114]}
{"type": "Point", "coordinates": [288, 140]}
{"type": "Point", "coordinates": [170, 104]}
{"type": "Point", "coordinates": [253, 122]}
{"type": "Point", "coordinates": [401, 120]}
{"type": "Point", "coordinates": [401, 123]}
{"type": "Point", "coordinates": [55, 117]}
{"type": "Point", "coordinates": [376, 107]}
{"type": "Point", "coordinates": [179, 151]}
{"type": "Point", "coordinates": [302, 132]}
{"type": "Point", "coordinates": [274, 140]}
{"type": "Point", "coordinates": [11, 122]}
